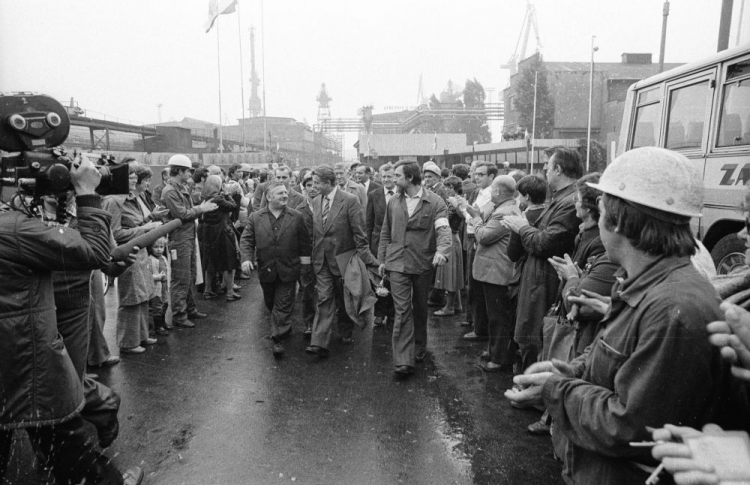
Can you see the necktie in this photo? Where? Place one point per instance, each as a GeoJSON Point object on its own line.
{"type": "Point", "coordinates": [326, 209]}
{"type": "Point", "coordinates": [388, 196]}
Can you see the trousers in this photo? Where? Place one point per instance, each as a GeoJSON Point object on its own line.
{"type": "Point", "coordinates": [183, 279]}
{"type": "Point", "coordinates": [330, 297]}
{"type": "Point", "coordinates": [279, 298]}
{"type": "Point", "coordinates": [410, 292]}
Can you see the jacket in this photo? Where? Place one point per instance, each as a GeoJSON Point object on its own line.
{"type": "Point", "coordinates": [278, 255]}
{"type": "Point", "coordinates": [39, 384]}
{"type": "Point", "coordinates": [554, 235]}
{"type": "Point", "coordinates": [357, 190]}
{"type": "Point", "coordinates": [409, 243]}
{"type": "Point", "coordinates": [491, 263]}
{"type": "Point", "coordinates": [135, 284]}
{"type": "Point", "coordinates": [344, 230]}
{"type": "Point", "coordinates": [359, 297]}
{"type": "Point", "coordinates": [375, 215]}
{"type": "Point", "coordinates": [651, 364]}
{"type": "Point", "coordinates": [178, 200]}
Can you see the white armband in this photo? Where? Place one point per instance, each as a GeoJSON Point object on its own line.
{"type": "Point", "coordinates": [441, 222]}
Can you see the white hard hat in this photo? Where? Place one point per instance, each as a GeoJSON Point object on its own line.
{"type": "Point", "coordinates": [180, 161]}
{"type": "Point", "coordinates": [656, 178]}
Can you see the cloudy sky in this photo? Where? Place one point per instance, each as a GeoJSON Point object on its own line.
{"type": "Point", "coordinates": [123, 58]}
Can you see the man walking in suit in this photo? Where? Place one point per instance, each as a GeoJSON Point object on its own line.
{"type": "Point", "coordinates": [343, 182]}
{"type": "Point", "coordinates": [279, 236]}
{"type": "Point", "coordinates": [414, 240]}
{"type": "Point", "coordinates": [377, 201]}
{"type": "Point", "coordinates": [283, 174]}
{"type": "Point", "coordinates": [307, 276]}
{"type": "Point", "coordinates": [338, 227]}
{"type": "Point", "coordinates": [363, 175]}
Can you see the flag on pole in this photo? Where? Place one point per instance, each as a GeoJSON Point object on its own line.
{"type": "Point", "coordinates": [434, 143]}
{"type": "Point", "coordinates": [216, 8]}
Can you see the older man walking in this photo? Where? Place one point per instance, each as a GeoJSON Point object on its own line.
{"type": "Point", "coordinates": [415, 238]}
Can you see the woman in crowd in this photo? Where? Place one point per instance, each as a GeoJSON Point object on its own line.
{"type": "Point", "coordinates": [130, 219]}
{"type": "Point", "coordinates": [219, 245]}
{"type": "Point", "coordinates": [450, 276]}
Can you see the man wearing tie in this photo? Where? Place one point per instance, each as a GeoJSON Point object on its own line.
{"type": "Point", "coordinates": [377, 201]}
{"type": "Point", "coordinates": [414, 240]}
{"type": "Point", "coordinates": [341, 172]}
{"type": "Point", "coordinates": [338, 226]}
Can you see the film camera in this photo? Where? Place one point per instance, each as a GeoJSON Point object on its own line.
{"type": "Point", "coordinates": [32, 128]}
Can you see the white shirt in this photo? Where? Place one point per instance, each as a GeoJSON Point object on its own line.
{"type": "Point", "coordinates": [483, 199]}
{"type": "Point", "coordinates": [411, 206]}
{"type": "Point", "coordinates": [367, 186]}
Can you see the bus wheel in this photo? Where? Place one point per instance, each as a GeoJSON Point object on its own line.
{"type": "Point", "coordinates": [729, 254]}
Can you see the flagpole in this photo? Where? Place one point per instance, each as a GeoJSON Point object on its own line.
{"type": "Point", "coordinates": [263, 76]}
{"type": "Point", "coordinates": [242, 79]}
{"type": "Point", "coordinates": [218, 60]}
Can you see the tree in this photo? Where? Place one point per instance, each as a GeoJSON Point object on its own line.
{"type": "Point", "coordinates": [476, 128]}
{"type": "Point", "coordinates": [598, 155]}
{"type": "Point", "coordinates": [524, 99]}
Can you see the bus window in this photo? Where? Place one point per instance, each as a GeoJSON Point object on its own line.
{"type": "Point", "coordinates": [646, 125]}
{"type": "Point", "coordinates": [734, 125]}
{"type": "Point", "coordinates": [687, 111]}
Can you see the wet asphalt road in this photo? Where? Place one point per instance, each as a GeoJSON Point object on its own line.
{"type": "Point", "coordinates": [211, 405]}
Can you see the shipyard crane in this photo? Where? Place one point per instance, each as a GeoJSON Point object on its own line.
{"type": "Point", "coordinates": [529, 22]}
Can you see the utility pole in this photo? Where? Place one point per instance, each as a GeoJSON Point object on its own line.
{"type": "Point", "coordinates": [725, 24]}
{"type": "Point", "coordinates": [591, 102]}
{"type": "Point", "coordinates": [158, 106]}
{"type": "Point", "coordinates": [533, 122]}
{"type": "Point", "coordinates": [663, 35]}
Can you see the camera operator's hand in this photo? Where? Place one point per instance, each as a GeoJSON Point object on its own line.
{"type": "Point", "coordinates": [207, 206]}
{"type": "Point", "coordinates": [84, 176]}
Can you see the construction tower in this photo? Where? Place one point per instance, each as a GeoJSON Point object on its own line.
{"type": "Point", "coordinates": [420, 95]}
{"type": "Point", "coordinates": [324, 110]}
{"type": "Point", "coordinates": [255, 107]}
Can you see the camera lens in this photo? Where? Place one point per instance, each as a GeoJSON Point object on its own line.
{"type": "Point", "coordinates": [17, 121]}
{"type": "Point", "coordinates": [53, 119]}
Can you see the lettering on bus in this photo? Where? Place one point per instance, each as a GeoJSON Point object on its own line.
{"type": "Point", "coordinates": [743, 174]}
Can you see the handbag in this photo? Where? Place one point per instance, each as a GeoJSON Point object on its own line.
{"type": "Point", "coordinates": [558, 334]}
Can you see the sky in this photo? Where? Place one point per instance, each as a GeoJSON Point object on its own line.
{"type": "Point", "coordinates": [120, 59]}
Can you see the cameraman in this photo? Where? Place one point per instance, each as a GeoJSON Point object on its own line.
{"type": "Point", "coordinates": [41, 390]}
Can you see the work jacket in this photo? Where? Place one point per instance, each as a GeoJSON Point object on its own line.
{"type": "Point", "coordinates": [177, 199]}
{"type": "Point", "coordinates": [39, 384]}
{"type": "Point", "coordinates": [491, 262]}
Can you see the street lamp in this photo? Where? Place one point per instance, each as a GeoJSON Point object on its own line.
{"type": "Point", "coordinates": [591, 98]}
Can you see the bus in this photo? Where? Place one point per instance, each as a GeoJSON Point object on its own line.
{"type": "Point", "coordinates": [702, 110]}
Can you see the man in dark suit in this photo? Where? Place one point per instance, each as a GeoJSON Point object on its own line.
{"type": "Point", "coordinates": [363, 175]}
{"type": "Point", "coordinates": [345, 184]}
{"type": "Point", "coordinates": [338, 227]}
{"type": "Point", "coordinates": [377, 201]}
{"type": "Point", "coordinates": [279, 236]}
{"type": "Point", "coordinates": [307, 276]}
{"type": "Point", "coordinates": [414, 240]}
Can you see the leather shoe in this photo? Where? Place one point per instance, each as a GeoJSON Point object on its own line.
{"type": "Point", "coordinates": [474, 336]}
{"type": "Point", "coordinates": [539, 427]}
{"type": "Point", "coordinates": [319, 351]}
{"type": "Point", "coordinates": [278, 350]}
{"type": "Point", "coordinates": [234, 297]}
{"type": "Point", "coordinates": [133, 476]}
{"type": "Point", "coordinates": [185, 324]}
{"type": "Point", "coordinates": [403, 370]}
{"type": "Point", "coordinates": [307, 333]}
{"type": "Point", "coordinates": [420, 355]}
{"type": "Point", "coordinates": [111, 360]}
{"type": "Point", "coordinates": [196, 315]}
{"type": "Point", "coordinates": [133, 350]}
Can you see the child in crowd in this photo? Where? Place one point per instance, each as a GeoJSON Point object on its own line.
{"type": "Point", "coordinates": [159, 300]}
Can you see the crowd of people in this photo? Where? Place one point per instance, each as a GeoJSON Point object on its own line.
{"type": "Point", "coordinates": [589, 288]}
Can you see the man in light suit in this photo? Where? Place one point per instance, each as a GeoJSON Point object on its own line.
{"type": "Point", "coordinates": [377, 201]}
{"type": "Point", "coordinates": [414, 240]}
{"type": "Point", "coordinates": [279, 236]}
{"type": "Point", "coordinates": [338, 226]}
{"type": "Point", "coordinates": [343, 182]}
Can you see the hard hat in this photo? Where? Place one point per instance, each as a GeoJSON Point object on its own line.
{"type": "Point", "coordinates": [180, 161]}
{"type": "Point", "coordinates": [246, 168]}
{"type": "Point", "coordinates": [656, 178]}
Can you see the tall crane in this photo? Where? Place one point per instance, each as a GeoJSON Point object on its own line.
{"type": "Point", "coordinates": [256, 107]}
{"type": "Point", "coordinates": [529, 22]}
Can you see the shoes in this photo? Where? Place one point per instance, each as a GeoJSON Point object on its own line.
{"type": "Point", "coordinates": [492, 367]}
{"type": "Point", "coordinates": [133, 350]}
{"type": "Point", "coordinates": [111, 360]}
{"type": "Point", "coordinates": [474, 336]}
{"type": "Point", "coordinates": [236, 287]}
{"type": "Point", "coordinates": [278, 350]}
{"type": "Point", "coordinates": [307, 333]}
{"type": "Point", "coordinates": [133, 476]}
{"type": "Point", "coordinates": [539, 427]}
{"type": "Point", "coordinates": [314, 349]}
{"type": "Point", "coordinates": [234, 297]}
{"type": "Point", "coordinates": [378, 321]}
{"type": "Point", "coordinates": [162, 331]}
{"type": "Point", "coordinates": [403, 370]}
{"type": "Point", "coordinates": [209, 295]}
{"type": "Point", "coordinates": [149, 341]}
{"type": "Point", "coordinates": [465, 324]}
{"type": "Point", "coordinates": [420, 355]}
{"type": "Point", "coordinates": [485, 355]}
{"type": "Point", "coordinates": [347, 340]}
{"type": "Point", "coordinates": [241, 276]}
{"type": "Point", "coordinates": [185, 324]}
{"type": "Point", "coordinates": [196, 315]}
{"type": "Point", "coordinates": [443, 313]}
